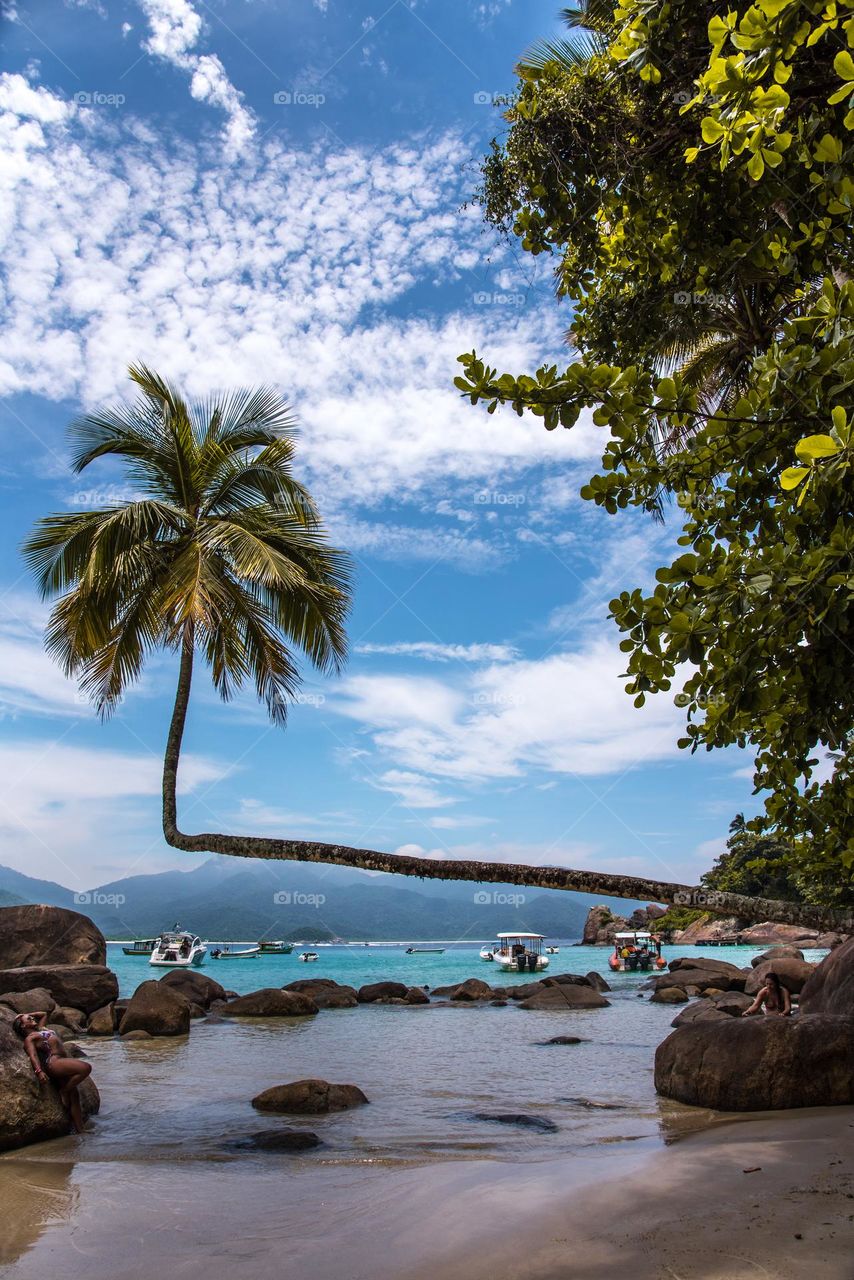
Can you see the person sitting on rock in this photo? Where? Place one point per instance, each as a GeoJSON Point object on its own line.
{"type": "Point", "coordinates": [47, 1053]}
{"type": "Point", "coordinates": [774, 997]}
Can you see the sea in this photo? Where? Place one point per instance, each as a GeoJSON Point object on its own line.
{"type": "Point", "coordinates": [451, 1087]}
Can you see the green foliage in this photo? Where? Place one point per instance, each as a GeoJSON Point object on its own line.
{"type": "Point", "coordinates": [693, 185]}
{"type": "Point", "coordinates": [760, 866]}
{"type": "Point", "coordinates": [677, 918]}
{"type": "Point", "coordinates": [222, 545]}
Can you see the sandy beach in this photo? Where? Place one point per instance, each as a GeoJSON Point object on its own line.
{"type": "Point", "coordinates": [689, 1212]}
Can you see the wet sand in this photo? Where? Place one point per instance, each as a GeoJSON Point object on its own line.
{"type": "Point", "coordinates": [688, 1212]}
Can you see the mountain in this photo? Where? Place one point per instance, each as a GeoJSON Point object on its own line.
{"type": "Point", "coordinates": [234, 899]}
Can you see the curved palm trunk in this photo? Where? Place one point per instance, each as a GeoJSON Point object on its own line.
{"type": "Point", "coordinates": [594, 882]}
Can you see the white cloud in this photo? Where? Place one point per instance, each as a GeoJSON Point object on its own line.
{"type": "Point", "coordinates": [175, 30]}
{"type": "Point", "coordinates": [431, 651]}
{"type": "Point", "coordinates": [567, 713]}
{"type": "Point", "coordinates": [412, 789]}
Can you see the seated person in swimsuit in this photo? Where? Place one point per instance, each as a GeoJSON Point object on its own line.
{"type": "Point", "coordinates": [774, 996]}
{"type": "Point", "coordinates": [46, 1052]}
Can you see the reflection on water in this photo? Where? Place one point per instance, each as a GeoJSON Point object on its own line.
{"type": "Point", "coordinates": [33, 1194]}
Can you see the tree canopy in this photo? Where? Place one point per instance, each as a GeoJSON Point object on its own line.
{"type": "Point", "coordinates": [691, 178]}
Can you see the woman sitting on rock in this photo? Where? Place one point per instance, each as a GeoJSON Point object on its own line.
{"type": "Point", "coordinates": [46, 1052]}
{"type": "Point", "coordinates": [774, 996]}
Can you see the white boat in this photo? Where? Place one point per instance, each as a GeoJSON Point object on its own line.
{"type": "Point", "coordinates": [177, 949]}
{"type": "Point", "coordinates": [270, 948]}
{"type": "Point", "coordinates": [425, 951]}
{"type": "Point", "coordinates": [308, 956]}
{"type": "Point", "coordinates": [552, 951]}
{"type": "Point", "coordinates": [636, 951]}
{"type": "Point", "coordinates": [521, 952]}
{"type": "Point", "coordinates": [226, 953]}
{"type": "Point", "coordinates": [488, 952]}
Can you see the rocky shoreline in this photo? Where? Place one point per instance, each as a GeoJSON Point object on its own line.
{"type": "Point", "coordinates": [707, 930]}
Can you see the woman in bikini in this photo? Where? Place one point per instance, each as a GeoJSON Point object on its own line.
{"type": "Point", "coordinates": [773, 996]}
{"type": "Point", "coordinates": [46, 1052]}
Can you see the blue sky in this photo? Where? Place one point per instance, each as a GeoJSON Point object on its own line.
{"type": "Point", "coordinates": [249, 191]}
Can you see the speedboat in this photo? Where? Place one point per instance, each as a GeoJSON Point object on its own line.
{"type": "Point", "coordinates": [307, 956]}
{"type": "Point", "coordinates": [177, 949]}
{"type": "Point", "coordinates": [521, 952]}
{"type": "Point", "coordinates": [226, 953]}
{"type": "Point", "coordinates": [425, 951]}
{"type": "Point", "coordinates": [636, 951]}
{"type": "Point", "coordinates": [488, 952]}
{"type": "Point", "coordinates": [552, 951]}
{"type": "Point", "coordinates": [142, 947]}
{"type": "Point", "coordinates": [275, 948]}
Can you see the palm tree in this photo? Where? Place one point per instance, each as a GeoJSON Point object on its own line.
{"type": "Point", "coordinates": [223, 553]}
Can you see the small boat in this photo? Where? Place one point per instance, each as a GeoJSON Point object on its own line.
{"type": "Point", "coordinates": [425, 951]}
{"type": "Point", "coordinates": [522, 952]}
{"type": "Point", "coordinates": [226, 953]}
{"type": "Point", "coordinates": [275, 948]}
{"type": "Point", "coordinates": [636, 951]}
{"type": "Point", "coordinates": [308, 956]}
{"type": "Point", "coordinates": [488, 952]}
{"type": "Point", "coordinates": [177, 949]}
{"type": "Point", "coordinates": [552, 951]}
{"type": "Point", "coordinates": [142, 947]}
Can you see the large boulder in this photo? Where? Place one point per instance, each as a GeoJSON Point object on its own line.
{"type": "Point", "coordinates": [700, 980]}
{"type": "Point", "coordinates": [309, 1098]}
{"type": "Point", "coordinates": [31, 1111]}
{"type": "Point", "coordinates": [381, 992]}
{"type": "Point", "coordinates": [197, 987]}
{"type": "Point", "coordinates": [80, 986]}
{"type": "Point", "coordinates": [600, 926]}
{"type": "Point", "coordinates": [793, 974]}
{"type": "Point", "coordinates": [156, 1009]}
{"type": "Point", "coordinates": [778, 953]}
{"type": "Point", "coordinates": [830, 987]}
{"type": "Point", "coordinates": [39, 935]}
{"type": "Point", "coordinates": [470, 990]}
{"type": "Point", "coordinates": [325, 992]}
{"type": "Point", "coordinates": [721, 1005]}
{"type": "Point", "coordinates": [705, 962]}
{"type": "Point", "coordinates": [270, 1002]}
{"type": "Point", "coordinates": [565, 995]}
{"type": "Point", "coordinates": [769, 934]}
{"type": "Point", "coordinates": [102, 1022]}
{"type": "Point", "coordinates": [669, 995]}
{"type": "Point", "coordinates": [709, 928]}
{"type": "Point", "coordinates": [759, 1064]}
{"type": "Point", "coordinates": [36, 1001]}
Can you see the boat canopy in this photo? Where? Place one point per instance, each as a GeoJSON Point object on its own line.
{"type": "Point", "coordinates": [520, 935]}
{"type": "Point", "coordinates": [635, 936]}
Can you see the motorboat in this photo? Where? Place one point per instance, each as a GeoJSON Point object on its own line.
{"type": "Point", "coordinates": [308, 956]}
{"type": "Point", "coordinates": [275, 948]}
{"type": "Point", "coordinates": [521, 952]}
{"type": "Point", "coordinates": [177, 949]}
{"type": "Point", "coordinates": [227, 953]}
{"type": "Point", "coordinates": [488, 952]}
{"type": "Point", "coordinates": [142, 947]}
{"type": "Point", "coordinates": [636, 951]}
{"type": "Point", "coordinates": [425, 951]}
{"type": "Point", "coordinates": [552, 951]}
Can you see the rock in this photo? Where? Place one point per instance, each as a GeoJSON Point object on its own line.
{"type": "Point", "coordinates": [597, 981]}
{"type": "Point", "coordinates": [471, 989]}
{"type": "Point", "coordinates": [793, 974]}
{"type": "Point", "coordinates": [498, 1004]}
{"type": "Point", "coordinates": [565, 995]}
{"type": "Point", "coordinates": [698, 1010]}
{"type": "Point", "coordinates": [732, 1002]}
{"type": "Point", "coordinates": [276, 1140]}
{"type": "Point", "coordinates": [705, 963]}
{"type": "Point", "coordinates": [710, 928]}
{"type": "Point", "coordinates": [669, 995]}
{"type": "Point", "coordinates": [701, 979]}
{"type": "Point", "coordinates": [711, 992]}
{"type": "Point", "coordinates": [325, 993]}
{"type": "Point", "coordinates": [563, 1040]}
{"type": "Point", "coordinates": [197, 987]}
{"type": "Point", "coordinates": [270, 1002]}
{"type": "Point", "coordinates": [778, 953]}
{"type": "Point", "coordinates": [830, 988]}
{"type": "Point", "coordinates": [102, 1022]}
{"type": "Point", "coordinates": [517, 1118]}
{"type": "Point", "coordinates": [30, 1111]}
{"type": "Point", "coordinates": [36, 1001]}
{"type": "Point", "coordinates": [73, 1019]}
{"type": "Point", "coordinates": [600, 926]}
{"type": "Point", "coordinates": [82, 986]}
{"type": "Point", "coordinates": [827, 941]}
{"type": "Point", "coordinates": [40, 935]}
{"type": "Point", "coordinates": [769, 934]}
{"type": "Point", "coordinates": [416, 995]}
{"type": "Point", "coordinates": [759, 1064]}
{"type": "Point", "coordinates": [156, 1008]}
{"type": "Point", "coordinates": [196, 1011]}
{"type": "Point", "coordinates": [381, 992]}
{"type": "Point", "coordinates": [137, 1035]}
{"type": "Point", "coordinates": [309, 1097]}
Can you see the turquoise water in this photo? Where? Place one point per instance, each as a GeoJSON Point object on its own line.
{"type": "Point", "coordinates": [358, 965]}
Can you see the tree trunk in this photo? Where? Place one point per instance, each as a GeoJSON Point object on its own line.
{"type": "Point", "coordinates": [600, 883]}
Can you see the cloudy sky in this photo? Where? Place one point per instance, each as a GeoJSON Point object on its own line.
{"type": "Point", "coordinates": [244, 191]}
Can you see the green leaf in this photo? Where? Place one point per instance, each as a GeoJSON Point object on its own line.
{"type": "Point", "coordinates": [812, 447]}
{"type": "Point", "coordinates": [792, 477]}
{"type": "Point", "coordinates": [711, 130]}
{"type": "Point", "coordinates": [843, 65]}
{"type": "Point", "coordinates": [828, 150]}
